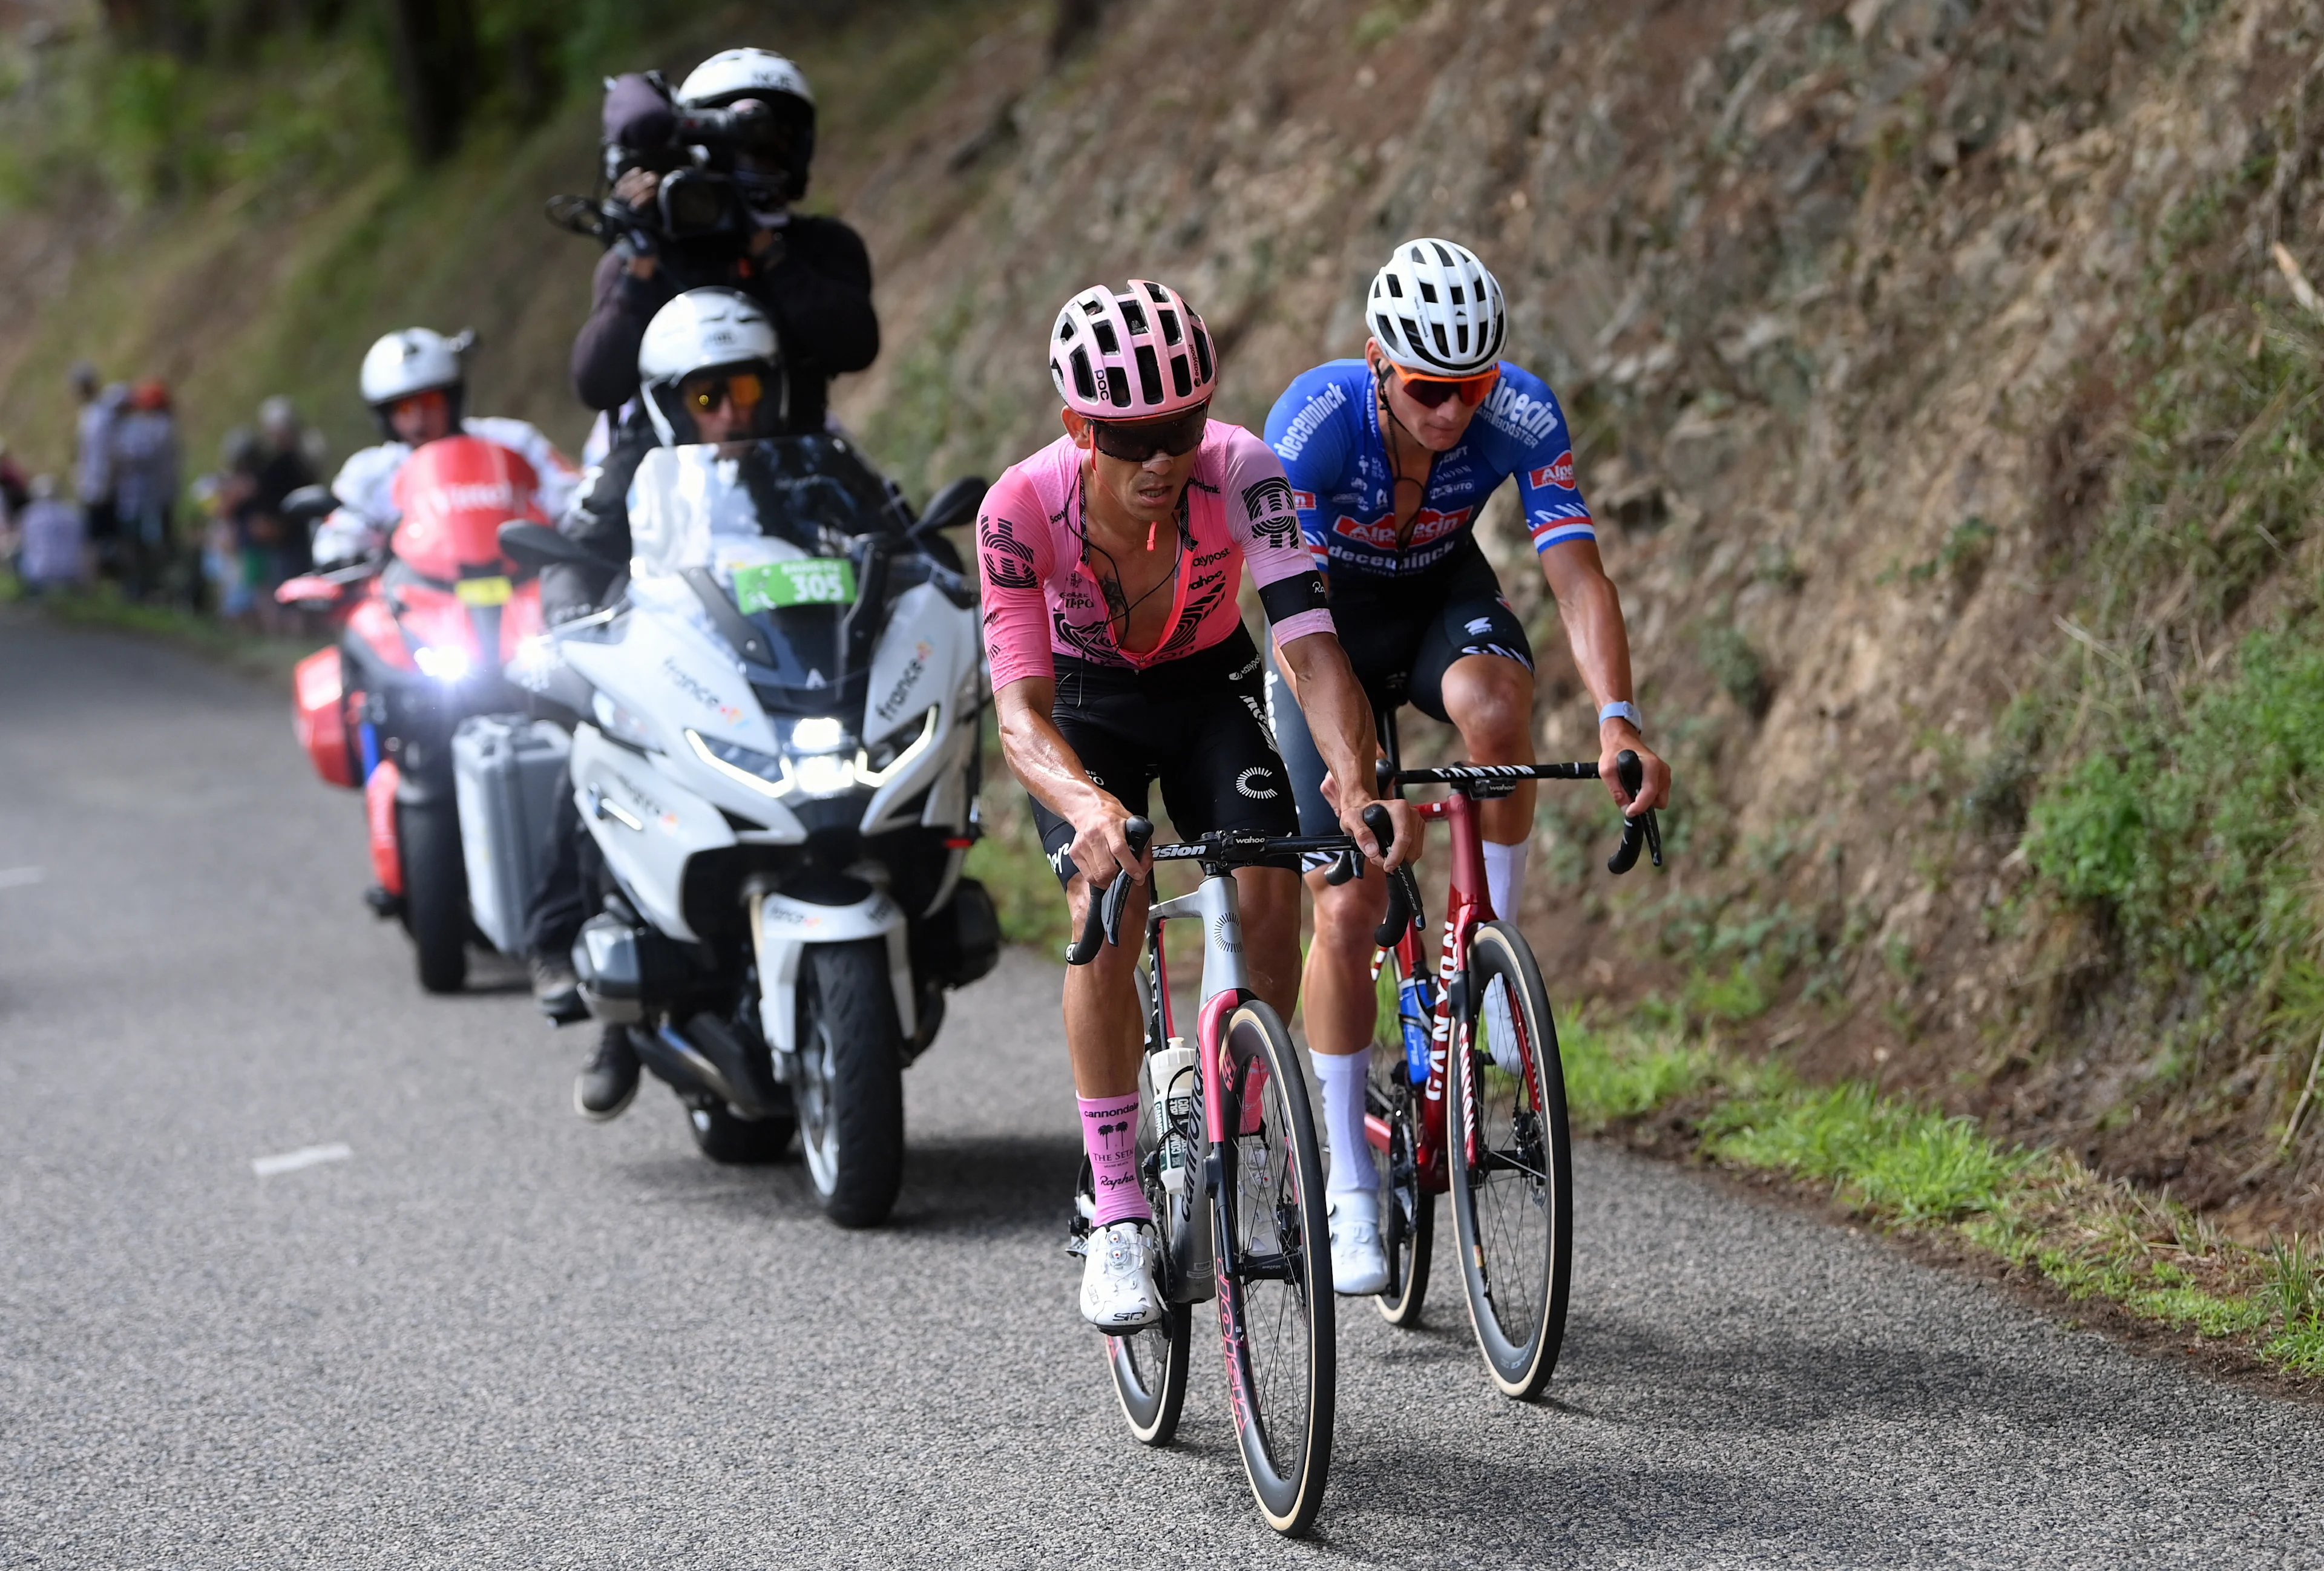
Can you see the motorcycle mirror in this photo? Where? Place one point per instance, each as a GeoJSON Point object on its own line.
{"type": "Point", "coordinates": [309, 506]}
{"type": "Point", "coordinates": [956, 505]}
{"type": "Point", "coordinates": [308, 592]}
{"type": "Point", "coordinates": [536, 545]}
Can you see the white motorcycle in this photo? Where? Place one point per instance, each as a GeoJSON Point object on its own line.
{"type": "Point", "coordinates": [776, 753]}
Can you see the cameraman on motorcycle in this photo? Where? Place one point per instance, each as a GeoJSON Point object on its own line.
{"type": "Point", "coordinates": [415, 382]}
{"type": "Point", "coordinates": [710, 369]}
{"type": "Point", "coordinates": [738, 136]}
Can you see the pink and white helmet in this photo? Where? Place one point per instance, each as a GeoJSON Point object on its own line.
{"type": "Point", "coordinates": [1133, 355]}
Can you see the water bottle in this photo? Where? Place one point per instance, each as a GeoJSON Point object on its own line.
{"type": "Point", "coordinates": [1413, 1008]}
{"type": "Point", "coordinates": [1170, 1074]}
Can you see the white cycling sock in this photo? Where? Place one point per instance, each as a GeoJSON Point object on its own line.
{"type": "Point", "coordinates": [1342, 1077]}
{"type": "Point", "coordinates": [1504, 868]}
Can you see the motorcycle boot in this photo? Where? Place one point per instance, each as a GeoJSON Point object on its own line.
{"type": "Point", "coordinates": [608, 1083]}
{"type": "Point", "coordinates": [555, 990]}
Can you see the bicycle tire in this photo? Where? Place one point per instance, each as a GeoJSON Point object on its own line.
{"type": "Point", "coordinates": [1276, 1328]}
{"type": "Point", "coordinates": [1513, 1212]}
{"type": "Point", "coordinates": [1148, 1365]}
{"type": "Point", "coordinates": [1407, 1209]}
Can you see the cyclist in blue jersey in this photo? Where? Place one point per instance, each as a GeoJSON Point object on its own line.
{"type": "Point", "coordinates": [1391, 458]}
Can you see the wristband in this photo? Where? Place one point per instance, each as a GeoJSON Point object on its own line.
{"type": "Point", "coordinates": [1622, 709]}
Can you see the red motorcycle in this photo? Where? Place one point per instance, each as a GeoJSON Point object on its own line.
{"type": "Point", "coordinates": [430, 624]}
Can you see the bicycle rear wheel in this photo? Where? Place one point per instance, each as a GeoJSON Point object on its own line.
{"type": "Point", "coordinates": [1276, 1324]}
{"type": "Point", "coordinates": [1512, 1164]}
{"type": "Point", "coordinates": [1407, 1210]}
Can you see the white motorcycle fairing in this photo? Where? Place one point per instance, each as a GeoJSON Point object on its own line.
{"type": "Point", "coordinates": [783, 926]}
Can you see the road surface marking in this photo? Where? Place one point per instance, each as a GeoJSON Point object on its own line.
{"type": "Point", "coordinates": [306, 1156]}
{"type": "Point", "coordinates": [18, 877]}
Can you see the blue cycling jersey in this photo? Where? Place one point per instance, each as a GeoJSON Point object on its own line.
{"type": "Point", "coordinates": [1325, 427]}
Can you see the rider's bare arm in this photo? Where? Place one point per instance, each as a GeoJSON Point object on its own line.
{"type": "Point", "coordinates": [1341, 719]}
{"type": "Point", "coordinates": [1045, 765]}
{"type": "Point", "coordinates": [1592, 610]}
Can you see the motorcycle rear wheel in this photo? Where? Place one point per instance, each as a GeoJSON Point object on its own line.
{"type": "Point", "coordinates": [434, 892]}
{"type": "Point", "coordinates": [850, 1092]}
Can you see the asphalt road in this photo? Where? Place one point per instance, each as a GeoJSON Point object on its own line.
{"type": "Point", "coordinates": [496, 1336]}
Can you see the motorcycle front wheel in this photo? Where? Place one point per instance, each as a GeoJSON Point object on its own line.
{"type": "Point", "coordinates": [850, 1088]}
{"type": "Point", "coordinates": [434, 892]}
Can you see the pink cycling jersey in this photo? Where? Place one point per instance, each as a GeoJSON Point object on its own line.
{"type": "Point", "coordinates": [1041, 600]}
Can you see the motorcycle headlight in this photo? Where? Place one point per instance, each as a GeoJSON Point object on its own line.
{"type": "Point", "coordinates": [819, 734]}
{"type": "Point", "coordinates": [447, 662]}
{"type": "Point", "coordinates": [882, 763]}
{"type": "Point", "coordinates": [763, 772]}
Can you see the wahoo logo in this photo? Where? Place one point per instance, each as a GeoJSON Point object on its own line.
{"type": "Point", "coordinates": [1242, 783]}
{"type": "Point", "coordinates": [1309, 420]}
{"type": "Point", "coordinates": [1379, 533]}
{"type": "Point", "coordinates": [1558, 472]}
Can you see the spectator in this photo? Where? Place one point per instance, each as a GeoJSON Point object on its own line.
{"type": "Point", "coordinates": [145, 488]}
{"type": "Point", "coordinates": [51, 550]}
{"type": "Point", "coordinates": [93, 459]}
{"type": "Point", "coordinates": [282, 467]}
{"type": "Point", "coordinates": [225, 499]}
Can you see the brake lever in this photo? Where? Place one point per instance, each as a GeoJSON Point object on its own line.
{"type": "Point", "coordinates": [1641, 831]}
{"type": "Point", "coordinates": [1105, 909]}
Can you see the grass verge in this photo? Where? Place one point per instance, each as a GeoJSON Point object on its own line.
{"type": "Point", "coordinates": [1915, 1172]}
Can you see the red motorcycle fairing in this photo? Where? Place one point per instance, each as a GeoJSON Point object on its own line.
{"type": "Point", "coordinates": [318, 714]}
{"type": "Point", "coordinates": [455, 494]}
{"type": "Point", "coordinates": [378, 817]}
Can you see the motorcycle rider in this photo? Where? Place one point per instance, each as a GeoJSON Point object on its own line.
{"type": "Point", "coordinates": [710, 369]}
{"type": "Point", "coordinates": [1391, 458]}
{"type": "Point", "coordinates": [810, 272]}
{"type": "Point", "coordinates": [1119, 657]}
{"type": "Point", "coordinates": [416, 384]}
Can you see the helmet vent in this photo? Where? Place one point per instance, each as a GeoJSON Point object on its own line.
{"type": "Point", "coordinates": [1150, 374]}
{"type": "Point", "coordinates": [1084, 383]}
{"type": "Point", "coordinates": [1436, 330]}
{"type": "Point", "coordinates": [1204, 366]}
{"type": "Point", "coordinates": [1182, 380]}
{"type": "Point", "coordinates": [1108, 341]}
{"type": "Point", "coordinates": [1116, 387]}
{"type": "Point", "coordinates": [1171, 333]}
{"type": "Point", "coordinates": [1133, 313]}
{"type": "Point", "coordinates": [1427, 293]}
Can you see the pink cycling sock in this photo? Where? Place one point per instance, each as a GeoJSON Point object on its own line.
{"type": "Point", "coordinates": [1109, 1135]}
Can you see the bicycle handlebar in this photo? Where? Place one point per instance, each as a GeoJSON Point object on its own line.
{"type": "Point", "coordinates": [1235, 847]}
{"type": "Point", "coordinates": [1639, 830]}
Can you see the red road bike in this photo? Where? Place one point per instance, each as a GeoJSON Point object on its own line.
{"type": "Point", "coordinates": [1478, 1037]}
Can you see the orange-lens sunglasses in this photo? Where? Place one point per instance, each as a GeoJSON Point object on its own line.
{"type": "Point", "coordinates": [1428, 391]}
{"type": "Point", "coordinates": [744, 387]}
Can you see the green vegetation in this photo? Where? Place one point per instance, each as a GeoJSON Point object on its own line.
{"type": "Point", "coordinates": [1915, 1172]}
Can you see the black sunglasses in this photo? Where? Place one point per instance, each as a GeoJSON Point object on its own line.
{"type": "Point", "coordinates": [1134, 444]}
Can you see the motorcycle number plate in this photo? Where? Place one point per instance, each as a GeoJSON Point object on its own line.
{"type": "Point", "coordinates": [483, 591]}
{"type": "Point", "coordinates": [817, 581]}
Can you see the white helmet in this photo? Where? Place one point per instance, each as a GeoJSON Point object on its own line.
{"type": "Point", "coordinates": [413, 360]}
{"type": "Point", "coordinates": [743, 73]}
{"type": "Point", "coordinates": [704, 329]}
{"type": "Point", "coordinates": [1436, 310]}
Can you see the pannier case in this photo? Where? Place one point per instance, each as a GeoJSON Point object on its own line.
{"type": "Point", "coordinates": [506, 770]}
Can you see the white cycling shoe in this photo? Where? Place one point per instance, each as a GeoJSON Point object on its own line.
{"type": "Point", "coordinates": [1118, 1290]}
{"type": "Point", "coordinates": [1358, 1261]}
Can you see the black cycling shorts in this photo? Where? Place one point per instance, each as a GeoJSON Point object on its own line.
{"type": "Point", "coordinates": [1197, 724]}
{"type": "Point", "coordinates": [1401, 636]}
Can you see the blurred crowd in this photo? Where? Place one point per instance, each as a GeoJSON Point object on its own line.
{"type": "Point", "coordinates": [124, 521]}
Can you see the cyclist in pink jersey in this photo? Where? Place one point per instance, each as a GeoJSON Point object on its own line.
{"type": "Point", "coordinates": [1110, 562]}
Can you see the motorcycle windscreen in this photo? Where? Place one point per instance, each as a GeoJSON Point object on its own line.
{"type": "Point", "coordinates": [455, 494]}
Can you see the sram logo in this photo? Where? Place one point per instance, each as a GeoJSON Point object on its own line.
{"type": "Point", "coordinates": [1379, 533]}
{"type": "Point", "coordinates": [1558, 472]}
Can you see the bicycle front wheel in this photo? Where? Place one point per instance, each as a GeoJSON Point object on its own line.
{"type": "Point", "coordinates": [1276, 1324]}
{"type": "Point", "coordinates": [1512, 1164]}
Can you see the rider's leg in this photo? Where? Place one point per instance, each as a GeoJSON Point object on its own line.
{"type": "Point", "coordinates": [1490, 700]}
{"type": "Point", "coordinates": [1342, 1011]}
{"type": "Point", "coordinates": [1105, 1039]}
{"type": "Point", "coordinates": [1267, 900]}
